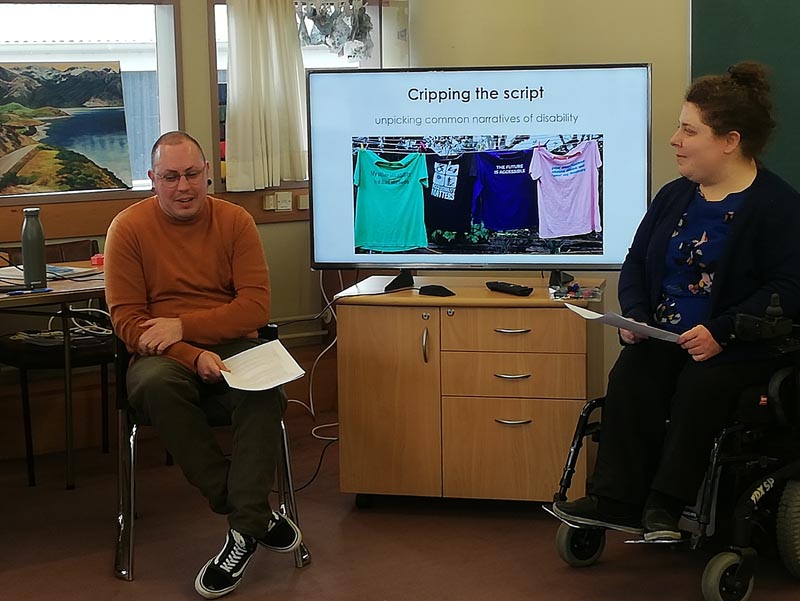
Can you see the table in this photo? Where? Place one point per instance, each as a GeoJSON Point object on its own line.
{"type": "Point", "coordinates": [64, 292]}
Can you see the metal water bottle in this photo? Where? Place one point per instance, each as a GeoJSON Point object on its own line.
{"type": "Point", "coordinates": [33, 260]}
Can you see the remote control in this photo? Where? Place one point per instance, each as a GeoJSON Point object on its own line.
{"type": "Point", "coordinates": [509, 288]}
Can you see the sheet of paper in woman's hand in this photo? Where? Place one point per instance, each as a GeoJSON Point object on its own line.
{"type": "Point", "coordinates": [264, 366]}
{"type": "Point", "coordinates": [617, 321]}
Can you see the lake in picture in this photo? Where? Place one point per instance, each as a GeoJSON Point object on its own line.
{"type": "Point", "coordinates": [97, 133]}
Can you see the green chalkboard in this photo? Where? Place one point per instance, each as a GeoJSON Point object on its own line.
{"type": "Point", "coordinates": [725, 32]}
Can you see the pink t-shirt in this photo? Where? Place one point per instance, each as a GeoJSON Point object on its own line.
{"type": "Point", "coordinates": [569, 200]}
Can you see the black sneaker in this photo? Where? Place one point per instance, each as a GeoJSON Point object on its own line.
{"type": "Point", "coordinates": [585, 512]}
{"type": "Point", "coordinates": [223, 573]}
{"type": "Point", "coordinates": [282, 535]}
{"type": "Point", "coordinates": [661, 525]}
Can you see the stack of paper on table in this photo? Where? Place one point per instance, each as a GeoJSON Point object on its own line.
{"type": "Point", "coordinates": [262, 367]}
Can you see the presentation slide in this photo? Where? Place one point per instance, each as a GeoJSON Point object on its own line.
{"type": "Point", "coordinates": [481, 167]}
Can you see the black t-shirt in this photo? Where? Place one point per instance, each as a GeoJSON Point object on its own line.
{"type": "Point", "coordinates": [448, 200]}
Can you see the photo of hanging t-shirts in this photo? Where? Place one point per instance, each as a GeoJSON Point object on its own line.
{"type": "Point", "coordinates": [390, 214]}
{"type": "Point", "coordinates": [568, 191]}
{"type": "Point", "coordinates": [478, 196]}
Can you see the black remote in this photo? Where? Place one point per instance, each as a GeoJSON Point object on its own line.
{"type": "Point", "coordinates": [509, 288]}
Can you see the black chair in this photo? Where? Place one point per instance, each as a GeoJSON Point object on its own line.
{"type": "Point", "coordinates": [128, 428]}
{"type": "Point", "coordinates": [33, 349]}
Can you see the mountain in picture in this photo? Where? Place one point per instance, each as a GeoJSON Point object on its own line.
{"type": "Point", "coordinates": [62, 128]}
{"type": "Point", "coordinates": [36, 86]}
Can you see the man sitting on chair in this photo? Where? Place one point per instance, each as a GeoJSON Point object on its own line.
{"type": "Point", "coordinates": [187, 286]}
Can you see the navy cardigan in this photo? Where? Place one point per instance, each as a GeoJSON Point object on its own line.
{"type": "Point", "coordinates": [761, 255]}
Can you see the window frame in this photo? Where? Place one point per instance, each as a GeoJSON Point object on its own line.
{"type": "Point", "coordinates": [81, 196]}
{"type": "Point", "coordinates": [216, 155]}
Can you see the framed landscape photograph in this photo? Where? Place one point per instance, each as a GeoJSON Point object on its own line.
{"type": "Point", "coordinates": [62, 128]}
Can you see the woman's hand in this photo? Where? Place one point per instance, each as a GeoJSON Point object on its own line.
{"type": "Point", "coordinates": [629, 337]}
{"type": "Point", "coordinates": [700, 343]}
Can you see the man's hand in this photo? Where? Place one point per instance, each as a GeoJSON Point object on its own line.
{"type": "Point", "coordinates": [161, 333]}
{"type": "Point", "coordinates": [210, 367]}
{"type": "Point", "coordinates": [700, 343]}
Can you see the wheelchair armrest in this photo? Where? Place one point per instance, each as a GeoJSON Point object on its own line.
{"type": "Point", "coordinates": [772, 326]}
{"type": "Point", "coordinates": [782, 392]}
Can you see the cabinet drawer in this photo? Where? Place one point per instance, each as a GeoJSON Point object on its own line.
{"type": "Point", "coordinates": [514, 375]}
{"type": "Point", "coordinates": [486, 459]}
{"type": "Point", "coordinates": [513, 330]}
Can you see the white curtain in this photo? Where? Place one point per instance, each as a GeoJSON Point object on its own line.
{"type": "Point", "coordinates": [266, 118]}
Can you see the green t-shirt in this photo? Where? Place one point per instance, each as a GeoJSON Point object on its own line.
{"type": "Point", "coordinates": [390, 210]}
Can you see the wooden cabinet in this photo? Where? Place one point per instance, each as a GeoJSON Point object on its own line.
{"type": "Point", "coordinates": [390, 420]}
{"type": "Point", "coordinates": [475, 395]}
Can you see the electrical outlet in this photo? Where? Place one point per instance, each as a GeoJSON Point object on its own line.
{"type": "Point", "coordinates": [284, 201]}
{"type": "Point", "coordinates": [302, 202]}
{"type": "Point", "coordinates": [269, 202]}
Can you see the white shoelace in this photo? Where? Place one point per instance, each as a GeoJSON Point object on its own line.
{"type": "Point", "coordinates": [273, 522]}
{"type": "Point", "coordinates": [235, 555]}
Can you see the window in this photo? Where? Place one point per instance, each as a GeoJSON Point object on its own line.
{"type": "Point", "coordinates": [328, 41]}
{"type": "Point", "coordinates": [119, 33]}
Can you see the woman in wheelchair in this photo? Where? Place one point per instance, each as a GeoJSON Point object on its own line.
{"type": "Point", "coordinates": [718, 241]}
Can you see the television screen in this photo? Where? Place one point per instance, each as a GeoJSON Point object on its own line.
{"type": "Point", "coordinates": [509, 168]}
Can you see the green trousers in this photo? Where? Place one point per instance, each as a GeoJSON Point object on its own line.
{"type": "Point", "coordinates": [180, 406]}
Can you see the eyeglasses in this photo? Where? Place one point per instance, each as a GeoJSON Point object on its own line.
{"type": "Point", "coordinates": [171, 179]}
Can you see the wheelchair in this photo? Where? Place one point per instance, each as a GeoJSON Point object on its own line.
{"type": "Point", "coordinates": [749, 500]}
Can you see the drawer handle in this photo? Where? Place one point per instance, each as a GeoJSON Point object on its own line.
{"type": "Point", "coordinates": [425, 345]}
{"type": "Point", "coordinates": [513, 376]}
{"type": "Point", "coordinates": [513, 422]}
{"type": "Point", "coordinates": [512, 331]}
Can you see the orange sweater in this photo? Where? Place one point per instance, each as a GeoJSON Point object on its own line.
{"type": "Point", "coordinates": [209, 271]}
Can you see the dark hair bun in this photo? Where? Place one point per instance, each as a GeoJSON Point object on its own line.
{"type": "Point", "coordinates": [740, 101]}
{"type": "Point", "coordinates": [751, 75]}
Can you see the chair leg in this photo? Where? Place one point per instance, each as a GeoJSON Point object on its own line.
{"type": "Point", "coordinates": [104, 405]}
{"type": "Point", "coordinates": [126, 487]}
{"type": "Point", "coordinates": [302, 556]}
{"type": "Point", "coordinates": [26, 419]}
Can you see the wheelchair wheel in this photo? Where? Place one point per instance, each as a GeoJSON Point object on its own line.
{"type": "Point", "coordinates": [719, 579]}
{"type": "Point", "coordinates": [788, 527]}
{"type": "Point", "coordinates": [580, 547]}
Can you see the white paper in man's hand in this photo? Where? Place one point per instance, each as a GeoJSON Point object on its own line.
{"type": "Point", "coordinates": [617, 321]}
{"type": "Point", "coordinates": [262, 367]}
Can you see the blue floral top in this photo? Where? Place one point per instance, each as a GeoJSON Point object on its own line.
{"type": "Point", "coordinates": [693, 253]}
